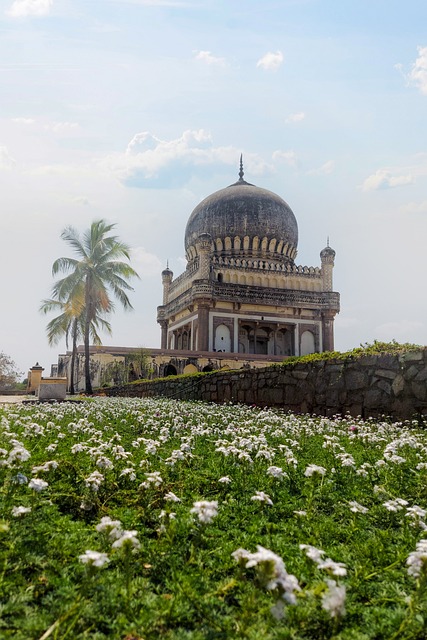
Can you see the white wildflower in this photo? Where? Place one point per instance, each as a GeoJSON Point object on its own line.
{"type": "Point", "coordinates": [130, 472]}
{"type": "Point", "coordinates": [277, 472]}
{"type": "Point", "coordinates": [355, 507]}
{"type": "Point", "coordinates": [112, 528]}
{"type": "Point", "coordinates": [333, 600]}
{"type": "Point", "coordinates": [94, 481]}
{"type": "Point", "coordinates": [313, 553]}
{"type": "Point", "coordinates": [262, 497]}
{"type": "Point", "coordinates": [37, 484]}
{"type": "Point", "coordinates": [314, 469]}
{"type": "Point", "coordinates": [17, 512]}
{"type": "Point", "coordinates": [417, 560]}
{"type": "Point", "coordinates": [225, 480]}
{"type": "Point", "coordinates": [334, 568]}
{"type": "Point", "coordinates": [104, 463]}
{"type": "Point", "coordinates": [395, 505]}
{"type": "Point", "coordinates": [171, 497]}
{"type": "Point", "coordinates": [94, 558]}
{"type": "Point", "coordinates": [206, 511]}
{"type": "Point", "coordinates": [300, 513]}
{"type": "Point", "coordinates": [127, 540]}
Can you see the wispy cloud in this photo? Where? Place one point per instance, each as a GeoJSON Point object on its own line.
{"type": "Point", "coordinates": [150, 162]}
{"type": "Point", "coordinates": [384, 179]}
{"type": "Point", "coordinates": [295, 117]}
{"type": "Point", "coordinates": [24, 8]}
{"type": "Point", "coordinates": [145, 262]}
{"type": "Point", "coordinates": [270, 61]}
{"type": "Point", "coordinates": [208, 58]}
{"type": "Point", "coordinates": [289, 157]}
{"type": "Point", "coordinates": [324, 170]}
{"type": "Point", "coordinates": [6, 160]}
{"type": "Point", "coordinates": [415, 208]}
{"type": "Point", "coordinates": [417, 76]}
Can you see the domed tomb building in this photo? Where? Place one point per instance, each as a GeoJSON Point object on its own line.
{"type": "Point", "coordinates": [242, 291]}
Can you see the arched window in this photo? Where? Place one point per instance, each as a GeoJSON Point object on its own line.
{"type": "Point", "coordinates": [307, 343]}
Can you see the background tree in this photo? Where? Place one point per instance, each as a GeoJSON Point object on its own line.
{"type": "Point", "coordinates": [70, 323]}
{"type": "Point", "coordinates": [96, 275]}
{"type": "Point", "coordinates": [9, 373]}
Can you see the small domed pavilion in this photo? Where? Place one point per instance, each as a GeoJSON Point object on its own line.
{"type": "Point", "coordinates": [241, 291]}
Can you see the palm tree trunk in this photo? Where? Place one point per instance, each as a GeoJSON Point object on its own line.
{"type": "Point", "coordinates": [73, 356]}
{"type": "Point", "coordinates": [88, 318]}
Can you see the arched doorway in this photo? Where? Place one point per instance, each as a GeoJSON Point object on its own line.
{"type": "Point", "coordinates": [222, 338]}
{"type": "Point", "coordinates": [170, 370]}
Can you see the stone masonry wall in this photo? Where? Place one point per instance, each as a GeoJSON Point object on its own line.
{"type": "Point", "coordinates": [369, 386]}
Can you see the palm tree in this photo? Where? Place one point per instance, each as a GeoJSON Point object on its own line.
{"type": "Point", "coordinates": [93, 276]}
{"type": "Point", "coordinates": [70, 322]}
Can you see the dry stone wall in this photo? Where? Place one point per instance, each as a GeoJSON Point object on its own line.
{"type": "Point", "coordinates": [369, 386]}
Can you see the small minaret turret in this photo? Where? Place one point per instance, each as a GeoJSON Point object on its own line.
{"type": "Point", "coordinates": [203, 247]}
{"type": "Point", "coordinates": [167, 276]}
{"type": "Point", "coordinates": [327, 256]}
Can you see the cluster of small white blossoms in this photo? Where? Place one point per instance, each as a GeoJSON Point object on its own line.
{"type": "Point", "coordinates": [153, 479]}
{"type": "Point", "coordinates": [205, 510]}
{"type": "Point", "coordinates": [314, 470]}
{"type": "Point", "coordinates": [260, 496]}
{"type": "Point", "coordinates": [417, 560]}
{"type": "Point", "coordinates": [333, 599]}
{"type": "Point", "coordinates": [94, 481]}
{"type": "Point", "coordinates": [272, 574]}
{"type": "Point", "coordinates": [120, 539]}
{"type": "Point", "coordinates": [37, 484]}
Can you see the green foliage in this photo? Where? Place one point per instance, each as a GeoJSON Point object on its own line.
{"type": "Point", "coordinates": [9, 373]}
{"type": "Point", "coordinates": [174, 576]}
{"type": "Point", "coordinates": [93, 280]}
{"type": "Point", "coordinates": [374, 349]}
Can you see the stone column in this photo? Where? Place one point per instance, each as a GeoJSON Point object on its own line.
{"type": "Point", "coordinates": [203, 332]}
{"type": "Point", "coordinates": [328, 330]}
{"type": "Point", "coordinates": [164, 335]}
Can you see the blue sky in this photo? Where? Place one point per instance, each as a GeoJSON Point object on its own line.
{"type": "Point", "coordinates": [135, 110]}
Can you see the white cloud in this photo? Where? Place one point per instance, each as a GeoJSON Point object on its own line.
{"type": "Point", "coordinates": [415, 207]}
{"type": "Point", "coordinates": [25, 121]}
{"type": "Point", "coordinates": [6, 160]}
{"type": "Point", "coordinates": [324, 170]}
{"type": "Point", "coordinates": [290, 157]}
{"type": "Point", "coordinates": [270, 61]}
{"type": "Point", "coordinates": [152, 162]}
{"type": "Point", "coordinates": [295, 117]}
{"type": "Point", "coordinates": [417, 76]}
{"type": "Point", "coordinates": [62, 127]}
{"type": "Point", "coordinates": [383, 179]}
{"type": "Point", "coordinates": [209, 59]}
{"type": "Point", "coordinates": [23, 8]}
{"type": "Point", "coordinates": [146, 263]}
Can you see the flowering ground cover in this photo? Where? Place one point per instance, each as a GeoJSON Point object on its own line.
{"type": "Point", "coordinates": [144, 519]}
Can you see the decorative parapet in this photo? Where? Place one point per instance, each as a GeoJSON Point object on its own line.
{"type": "Point", "coordinates": [255, 264]}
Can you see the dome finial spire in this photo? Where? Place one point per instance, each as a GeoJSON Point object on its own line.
{"type": "Point", "coordinates": [241, 172]}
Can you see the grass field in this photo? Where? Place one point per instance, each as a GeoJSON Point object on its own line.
{"type": "Point", "coordinates": [145, 519]}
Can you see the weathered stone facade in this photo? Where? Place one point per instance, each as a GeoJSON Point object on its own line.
{"type": "Point", "coordinates": [369, 386]}
{"type": "Point", "coordinates": [242, 291]}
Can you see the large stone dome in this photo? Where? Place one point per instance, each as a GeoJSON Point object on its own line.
{"type": "Point", "coordinates": [244, 219]}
